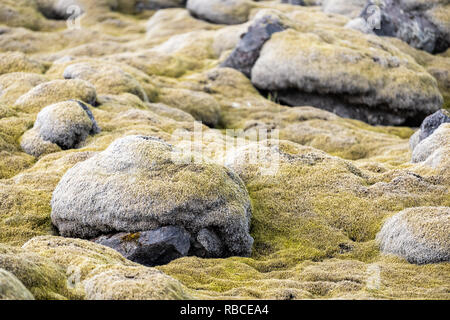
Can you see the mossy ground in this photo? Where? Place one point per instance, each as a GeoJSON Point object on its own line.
{"type": "Point", "coordinates": [314, 222]}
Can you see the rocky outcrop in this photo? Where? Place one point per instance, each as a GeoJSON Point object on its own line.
{"type": "Point", "coordinates": [369, 85]}
{"type": "Point", "coordinates": [140, 184]}
{"type": "Point", "coordinates": [420, 235]}
{"type": "Point", "coordinates": [415, 22]}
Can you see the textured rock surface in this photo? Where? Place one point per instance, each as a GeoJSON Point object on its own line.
{"type": "Point", "coordinates": [434, 149]}
{"type": "Point", "coordinates": [96, 272]}
{"type": "Point", "coordinates": [64, 124]}
{"type": "Point", "coordinates": [143, 187]}
{"type": "Point", "coordinates": [302, 79]}
{"type": "Point", "coordinates": [221, 11]}
{"type": "Point", "coordinates": [350, 8]}
{"type": "Point", "coordinates": [56, 91]}
{"type": "Point", "coordinates": [248, 49]}
{"type": "Point", "coordinates": [432, 122]}
{"type": "Point", "coordinates": [411, 21]}
{"type": "Point", "coordinates": [320, 186]}
{"type": "Point", "coordinates": [150, 248]}
{"type": "Point", "coordinates": [11, 288]}
{"type": "Point", "coordinates": [420, 235]}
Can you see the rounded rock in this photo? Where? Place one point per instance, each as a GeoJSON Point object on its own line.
{"type": "Point", "coordinates": [142, 183]}
{"type": "Point", "coordinates": [420, 235]}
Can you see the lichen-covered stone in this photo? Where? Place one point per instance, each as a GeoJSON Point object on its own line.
{"type": "Point", "coordinates": [248, 49]}
{"type": "Point", "coordinates": [369, 87]}
{"type": "Point", "coordinates": [96, 272]}
{"type": "Point", "coordinates": [434, 149]}
{"type": "Point", "coordinates": [143, 187]}
{"type": "Point", "coordinates": [19, 62]}
{"type": "Point", "coordinates": [64, 124]}
{"type": "Point", "coordinates": [56, 91]}
{"type": "Point", "coordinates": [202, 106]}
{"type": "Point", "coordinates": [106, 78]}
{"type": "Point", "coordinates": [221, 11]}
{"type": "Point", "coordinates": [420, 235]}
{"type": "Point", "coordinates": [410, 21]}
{"type": "Point", "coordinates": [11, 288]}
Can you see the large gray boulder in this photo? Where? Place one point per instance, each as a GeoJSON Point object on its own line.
{"type": "Point", "coordinates": [420, 235]}
{"type": "Point", "coordinates": [142, 183]}
{"type": "Point", "coordinates": [353, 76]}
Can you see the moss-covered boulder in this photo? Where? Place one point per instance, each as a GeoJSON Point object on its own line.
{"type": "Point", "coordinates": [61, 125]}
{"type": "Point", "coordinates": [11, 288]}
{"type": "Point", "coordinates": [371, 77]}
{"type": "Point", "coordinates": [96, 272]}
{"type": "Point", "coordinates": [202, 106]}
{"type": "Point", "coordinates": [221, 11]}
{"type": "Point", "coordinates": [434, 149]}
{"type": "Point", "coordinates": [107, 79]}
{"type": "Point", "coordinates": [15, 84]}
{"type": "Point", "coordinates": [43, 278]}
{"type": "Point", "coordinates": [19, 62]}
{"type": "Point", "coordinates": [56, 91]}
{"type": "Point", "coordinates": [420, 235]}
{"type": "Point", "coordinates": [140, 183]}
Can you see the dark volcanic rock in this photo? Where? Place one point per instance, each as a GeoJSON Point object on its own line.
{"type": "Point", "coordinates": [247, 51]}
{"type": "Point", "coordinates": [294, 2]}
{"type": "Point", "coordinates": [432, 122]}
{"type": "Point", "coordinates": [207, 244]}
{"type": "Point", "coordinates": [409, 23]}
{"type": "Point", "coordinates": [150, 248]}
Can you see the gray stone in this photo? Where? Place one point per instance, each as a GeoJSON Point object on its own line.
{"type": "Point", "coordinates": [247, 51]}
{"type": "Point", "coordinates": [65, 124]}
{"type": "Point", "coordinates": [150, 248]}
{"type": "Point", "coordinates": [294, 2]}
{"type": "Point", "coordinates": [435, 149]}
{"type": "Point", "coordinates": [60, 9]}
{"type": "Point", "coordinates": [407, 21]}
{"type": "Point", "coordinates": [420, 235]}
{"type": "Point", "coordinates": [432, 122]}
{"type": "Point", "coordinates": [208, 244]}
{"type": "Point", "coordinates": [142, 183]}
{"type": "Point", "coordinates": [158, 4]}
{"type": "Point", "coordinates": [220, 11]}
{"type": "Point", "coordinates": [107, 79]}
